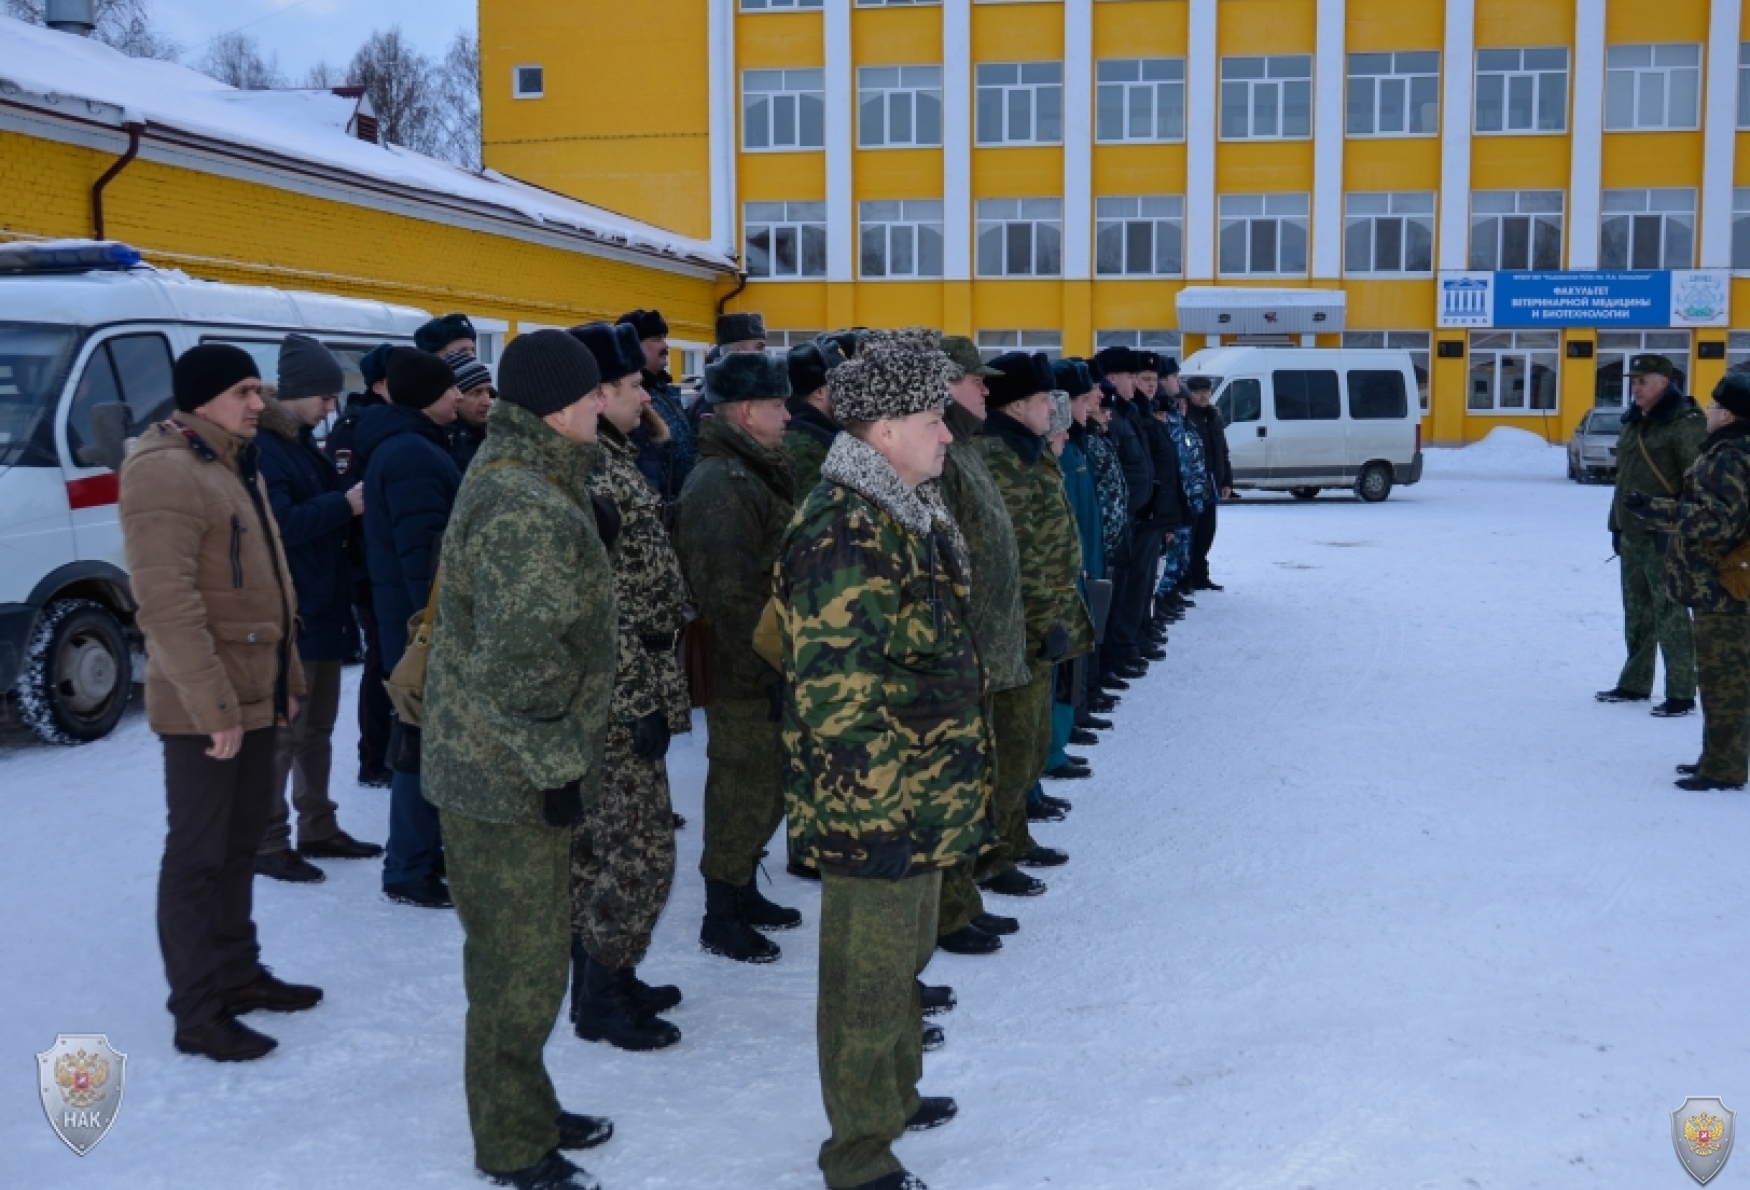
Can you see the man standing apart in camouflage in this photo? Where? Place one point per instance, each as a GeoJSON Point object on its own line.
{"type": "Point", "coordinates": [622, 856]}
{"type": "Point", "coordinates": [887, 745]}
{"type": "Point", "coordinates": [1661, 436]}
{"type": "Point", "coordinates": [729, 524]}
{"type": "Point", "coordinates": [516, 716]}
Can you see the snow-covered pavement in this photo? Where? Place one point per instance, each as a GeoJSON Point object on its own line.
{"type": "Point", "coordinates": [1367, 892]}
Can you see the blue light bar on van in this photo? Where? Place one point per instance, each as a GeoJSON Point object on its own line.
{"type": "Point", "coordinates": [67, 256]}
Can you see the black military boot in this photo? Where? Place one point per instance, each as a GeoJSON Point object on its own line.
{"type": "Point", "coordinates": [608, 1014]}
{"type": "Point", "coordinates": [932, 1112]}
{"type": "Point", "coordinates": [1672, 708]}
{"type": "Point", "coordinates": [1701, 784]}
{"type": "Point", "coordinates": [898, 1180]}
{"type": "Point", "coordinates": [970, 940]}
{"type": "Point", "coordinates": [725, 933]}
{"type": "Point", "coordinates": [1013, 883]}
{"type": "Point", "coordinates": [1618, 694]}
{"type": "Point", "coordinates": [552, 1172]}
{"type": "Point", "coordinates": [762, 914]}
{"type": "Point", "coordinates": [996, 925]}
{"type": "Point", "coordinates": [583, 1132]}
{"type": "Point", "coordinates": [651, 998]}
{"type": "Point", "coordinates": [936, 999]}
{"type": "Point", "coordinates": [935, 1037]}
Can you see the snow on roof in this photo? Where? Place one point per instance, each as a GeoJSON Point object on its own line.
{"type": "Point", "coordinates": [308, 126]}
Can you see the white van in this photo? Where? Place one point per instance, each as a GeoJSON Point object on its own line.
{"type": "Point", "coordinates": [87, 338]}
{"type": "Point", "coordinates": [1302, 420]}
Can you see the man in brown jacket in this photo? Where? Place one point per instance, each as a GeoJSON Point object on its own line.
{"type": "Point", "coordinates": [218, 612]}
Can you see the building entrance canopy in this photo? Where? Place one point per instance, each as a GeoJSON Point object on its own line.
{"type": "Point", "coordinates": [1233, 310]}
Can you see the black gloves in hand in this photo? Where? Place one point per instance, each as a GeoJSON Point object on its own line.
{"type": "Point", "coordinates": [1640, 506]}
{"type": "Point", "coordinates": [607, 518]}
{"type": "Point", "coordinates": [1056, 643]}
{"type": "Point", "coordinates": [563, 806]}
{"type": "Point", "coordinates": [887, 861]}
{"type": "Point", "coordinates": [1635, 500]}
{"type": "Point", "coordinates": [650, 736]}
{"type": "Point", "coordinates": [775, 702]}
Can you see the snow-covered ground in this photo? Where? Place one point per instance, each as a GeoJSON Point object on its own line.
{"type": "Point", "coordinates": [1367, 892]}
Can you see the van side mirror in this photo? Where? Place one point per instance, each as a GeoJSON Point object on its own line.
{"type": "Point", "coordinates": [112, 427]}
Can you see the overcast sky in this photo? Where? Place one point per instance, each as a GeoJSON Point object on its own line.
{"type": "Point", "coordinates": [304, 32]}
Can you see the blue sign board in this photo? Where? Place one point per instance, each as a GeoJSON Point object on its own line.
{"type": "Point", "coordinates": [1603, 298]}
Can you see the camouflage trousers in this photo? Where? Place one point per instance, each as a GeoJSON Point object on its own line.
{"type": "Point", "coordinates": [1021, 723]}
{"type": "Point", "coordinates": [744, 788]}
{"type": "Point", "coordinates": [513, 897]}
{"type": "Point", "coordinates": [1653, 622]}
{"type": "Point", "coordinates": [1177, 562]}
{"type": "Point", "coordinates": [622, 856]}
{"type": "Point", "coordinates": [876, 936]}
{"type": "Point", "coordinates": [1722, 660]}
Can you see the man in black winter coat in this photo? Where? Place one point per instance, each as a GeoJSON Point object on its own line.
{"type": "Point", "coordinates": [1205, 418]}
{"type": "Point", "coordinates": [1121, 654]}
{"type": "Point", "coordinates": [468, 431]}
{"type": "Point", "coordinates": [315, 515]}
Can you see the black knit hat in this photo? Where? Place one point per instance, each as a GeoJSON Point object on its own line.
{"type": "Point", "coordinates": [441, 332]}
{"type": "Point", "coordinates": [1732, 394]}
{"type": "Point", "coordinates": [418, 378]}
{"type": "Point", "coordinates": [746, 376]}
{"type": "Point", "coordinates": [617, 349]}
{"type": "Point", "coordinates": [547, 371]}
{"type": "Point", "coordinates": [810, 363]}
{"type": "Point", "coordinates": [374, 364]}
{"type": "Point", "coordinates": [1116, 359]}
{"type": "Point", "coordinates": [308, 369]}
{"type": "Point", "coordinates": [739, 328]}
{"type": "Point", "coordinates": [648, 323]}
{"type": "Point", "coordinates": [1018, 378]}
{"type": "Point", "coordinates": [204, 372]}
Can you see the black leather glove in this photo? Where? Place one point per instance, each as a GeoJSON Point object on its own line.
{"type": "Point", "coordinates": [775, 702]}
{"type": "Point", "coordinates": [563, 806]}
{"type": "Point", "coordinates": [1056, 643]}
{"type": "Point", "coordinates": [607, 518]}
{"type": "Point", "coordinates": [887, 861]}
{"type": "Point", "coordinates": [1635, 500]}
{"type": "Point", "coordinates": [650, 736]}
{"type": "Point", "coordinates": [1641, 507]}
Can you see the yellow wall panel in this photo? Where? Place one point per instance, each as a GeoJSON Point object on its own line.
{"type": "Point", "coordinates": [1677, 157]}
{"type": "Point", "coordinates": [1390, 305]}
{"type": "Point", "coordinates": [1017, 32]}
{"type": "Point", "coordinates": [787, 305]}
{"type": "Point", "coordinates": [1630, 21]}
{"type": "Point", "coordinates": [1520, 163]}
{"type": "Point", "coordinates": [898, 173]}
{"type": "Point", "coordinates": [782, 177]}
{"type": "Point", "coordinates": [1515, 24]}
{"type": "Point", "coordinates": [1403, 164]}
{"type": "Point", "coordinates": [1017, 173]}
{"type": "Point", "coordinates": [1139, 169]}
{"type": "Point", "coordinates": [1142, 28]}
{"type": "Point", "coordinates": [775, 40]}
{"type": "Point", "coordinates": [1017, 305]}
{"type": "Point", "coordinates": [898, 303]}
{"type": "Point", "coordinates": [1263, 167]}
{"type": "Point", "coordinates": [896, 36]}
{"type": "Point", "coordinates": [1266, 27]}
{"type": "Point", "coordinates": [1381, 26]}
{"type": "Point", "coordinates": [1135, 305]}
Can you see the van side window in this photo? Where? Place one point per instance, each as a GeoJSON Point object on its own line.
{"type": "Point", "coordinates": [126, 386]}
{"type": "Point", "coordinates": [1307, 396]}
{"type": "Point", "coordinates": [1242, 400]}
{"type": "Point", "coordinates": [1377, 396]}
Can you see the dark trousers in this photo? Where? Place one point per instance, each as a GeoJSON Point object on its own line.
{"type": "Point", "coordinates": [218, 814]}
{"type": "Point", "coordinates": [1202, 538]}
{"type": "Point", "coordinates": [306, 756]}
{"type": "Point", "coordinates": [1130, 603]}
{"type": "Point", "coordinates": [375, 708]}
{"type": "Point", "coordinates": [415, 836]}
{"type": "Point", "coordinates": [1117, 645]}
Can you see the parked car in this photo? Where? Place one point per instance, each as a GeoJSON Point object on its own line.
{"type": "Point", "coordinates": [1592, 449]}
{"type": "Point", "coordinates": [1302, 420]}
{"type": "Point", "coordinates": [87, 338]}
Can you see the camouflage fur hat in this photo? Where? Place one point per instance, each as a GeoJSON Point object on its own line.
{"type": "Point", "coordinates": [1060, 415]}
{"type": "Point", "coordinates": [963, 352]}
{"type": "Point", "coordinates": [746, 376]}
{"type": "Point", "coordinates": [890, 378]}
{"type": "Point", "coordinates": [917, 336]}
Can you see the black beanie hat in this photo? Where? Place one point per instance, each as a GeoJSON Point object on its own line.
{"type": "Point", "coordinates": [374, 364]}
{"type": "Point", "coordinates": [1018, 378]}
{"type": "Point", "coordinates": [810, 363]}
{"type": "Point", "coordinates": [418, 378]}
{"type": "Point", "coordinates": [1169, 366]}
{"type": "Point", "coordinates": [648, 323]}
{"type": "Point", "coordinates": [547, 371]}
{"type": "Point", "coordinates": [739, 328]}
{"type": "Point", "coordinates": [441, 332]}
{"type": "Point", "coordinates": [308, 369]}
{"type": "Point", "coordinates": [617, 349]}
{"type": "Point", "coordinates": [1732, 394]}
{"type": "Point", "coordinates": [206, 371]}
{"type": "Point", "coordinates": [1116, 359]}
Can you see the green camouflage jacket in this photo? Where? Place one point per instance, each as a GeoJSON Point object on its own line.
{"type": "Point", "coordinates": [729, 524]}
{"type": "Point", "coordinates": [977, 507]}
{"type": "Point", "coordinates": [1050, 547]}
{"type": "Point", "coordinates": [885, 734]}
{"type": "Point", "coordinates": [1672, 433]}
{"type": "Point", "coordinates": [1709, 521]}
{"type": "Point", "coordinates": [806, 442]}
{"type": "Point", "coordinates": [648, 589]}
{"type": "Point", "coordinates": [521, 670]}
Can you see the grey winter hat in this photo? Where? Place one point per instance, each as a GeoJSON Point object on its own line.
{"type": "Point", "coordinates": [746, 376]}
{"type": "Point", "coordinates": [545, 372]}
{"type": "Point", "coordinates": [1060, 415]}
{"type": "Point", "coordinates": [308, 369]}
{"type": "Point", "coordinates": [890, 378]}
{"type": "Point", "coordinates": [739, 328]}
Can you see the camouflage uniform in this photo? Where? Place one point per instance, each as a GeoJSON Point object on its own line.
{"type": "Point", "coordinates": [729, 525]}
{"type": "Point", "coordinates": [517, 696]}
{"type": "Point", "coordinates": [1194, 475]}
{"type": "Point", "coordinates": [806, 441]}
{"type": "Point", "coordinates": [886, 740]}
{"type": "Point", "coordinates": [622, 861]}
{"type": "Point", "coordinates": [1671, 435]}
{"type": "Point", "coordinates": [1113, 492]}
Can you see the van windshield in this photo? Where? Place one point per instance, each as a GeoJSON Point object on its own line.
{"type": "Point", "coordinates": [34, 358]}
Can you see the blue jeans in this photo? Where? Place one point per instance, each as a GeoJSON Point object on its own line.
{"type": "Point", "coordinates": [415, 838]}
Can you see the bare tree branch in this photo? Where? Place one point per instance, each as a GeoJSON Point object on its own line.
{"type": "Point", "coordinates": [234, 58]}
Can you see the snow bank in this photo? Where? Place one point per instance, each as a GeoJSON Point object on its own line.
{"type": "Point", "coordinates": [1505, 453]}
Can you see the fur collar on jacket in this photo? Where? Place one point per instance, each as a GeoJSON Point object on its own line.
{"type": "Point", "coordinates": [854, 464]}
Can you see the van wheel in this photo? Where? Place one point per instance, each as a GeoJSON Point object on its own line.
{"type": "Point", "coordinates": [78, 675]}
{"type": "Point", "coordinates": [1304, 493]}
{"type": "Point", "coordinates": [1374, 483]}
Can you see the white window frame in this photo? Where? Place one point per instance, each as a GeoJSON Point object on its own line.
{"type": "Point", "coordinates": [516, 81]}
{"type": "Point", "coordinates": [1371, 213]}
{"type": "Point", "coordinates": [1671, 74]}
{"type": "Point", "coordinates": [1536, 77]}
{"type": "Point", "coordinates": [912, 219]}
{"type": "Point", "coordinates": [782, 341]}
{"type": "Point", "coordinates": [1042, 216]}
{"type": "Point", "coordinates": [1403, 71]}
{"type": "Point", "coordinates": [1277, 77]}
{"type": "Point", "coordinates": [1634, 210]}
{"type": "Point", "coordinates": [809, 84]}
{"type": "Point", "coordinates": [1529, 205]}
{"type": "Point", "coordinates": [1124, 86]}
{"type": "Point", "coordinates": [1292, 209]}
{"type": "Point", "coordinates": [1744, 84]}
{"type": "Point", "coordinates": [1616, 348]}
{"type": "Point", "coordinates": [1163, 341]}
{"type": "Point", "coordinates": [1420, 345]}
{"type": "Point", "coordinates": [1741, 231]}
{"type": "Point", "coordinates": [914, 87]}
{"type": "Point", "coordinates": [1531, 347]}
{"type": "Point", "coordinates": [768, 6]}
{"type": "Point", "coordinates": [1738, 351]}
{"type": "Point", "coordinates": [897, 3]}
{"type": "Point", "coordinates": [1022, 91]}
{"type": "Point", "coordinates": [993, 343]}
{"type": "Point", "coordinates": [1117, 215]}
{"type": "Point", "coordinates": [798, 216]}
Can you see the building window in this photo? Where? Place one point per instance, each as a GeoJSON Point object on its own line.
{"type": "Point", "coordinates": [1616, 348]}
{"type": "Point", "coordinates": [1139, 237]}
{"type": "Point", "coordinates": [901, 239]}
{"type": "Point", "coordinates": [1647, 229]}
{"type": "Point", "coordinates": [1140, 99]}
{"type": "Point", "coordinates": [1744, 85]}
{"type": "Point", "coordinates": [528, 82]}
{"type": "Point", "coordinates": [1266, 98]}
{"type": "Point", "coordinates": [899, 106]}
{"type": "Point", "coordinates": [1389, 233]}
{"type": "Point", "coordinates": [1652, 86]}
{"type": "Point", "coordinates": [1513, 371]}
{"type": "Point", "coordinates": [785, 340]}
{"type": "Point", "coordinates": [1394, 94]}
{"type": "Point", "coordinates": [1738, 351]}
{"type": "Point", "coordinates": [895, 3]}
{"type": "Point", "coordinates": [1522, 90]}
{"type": "Point", "coordinates": [1020, 237]}
{"type": "Point", "coordinates": [1515, 229]}
{"type": "Point", "coordinates": [1164, 342]}
{"type": "Point", "coordinates": [993, 343]}
{"type": "Point", "coordinates": [1741, 231]}
{"type": "Point", "coordinates": [1263, 234]}
{"type": "Point", "coordinates": [783, 109]}
{"type": "Point", "coordinates": [777, 5]}
{"type": "Point", "coordinates": [1020, 103]}
{"type": "Point", "coordinates": [1417, 343]}
{"type": "Point", "coordinates": [785, 239]}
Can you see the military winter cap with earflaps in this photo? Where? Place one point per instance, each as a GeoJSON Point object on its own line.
{"type": "Point", "coordinates": [746, 376]}
{"type": "Point", "coordinates": [891, 378]}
